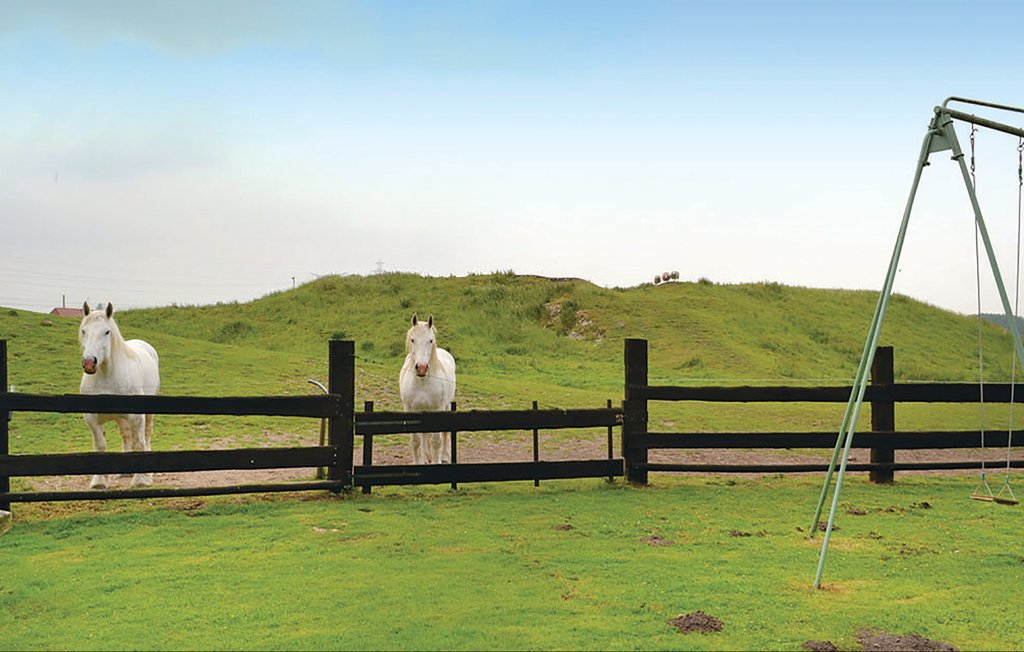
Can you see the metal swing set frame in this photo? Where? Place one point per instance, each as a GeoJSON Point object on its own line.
{"type": "Point", "coordinates": [941, 136]}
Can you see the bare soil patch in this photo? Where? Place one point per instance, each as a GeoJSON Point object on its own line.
{"type": "Point", "coordinates": [657, 541]}
{"type": "Point", "coordinates": [697, 621]}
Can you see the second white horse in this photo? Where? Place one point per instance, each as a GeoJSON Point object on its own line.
{"type": "Point", "coordinates": [427, 384]}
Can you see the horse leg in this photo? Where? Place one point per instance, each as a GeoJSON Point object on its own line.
{"type": "Point", "coordinates": [126, 441]}
{"type": "Point", "coordinates": [138, 432]}
{"type": "Point", "coordinates": [446, 448]}
{"type": "Point", "coordinates": [435, 448]}
{"type": "Point", "coordinates": [429, 453]}
{"type": "Point", "coordinates": [99, 444]}
{"type": "Point", "coordinates": [419, 456]}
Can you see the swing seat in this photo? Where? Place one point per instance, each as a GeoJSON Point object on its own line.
{"type": "Point", "coordinates": [1002, 500]}
{"type": "Point", "coordinates": [989, 498]}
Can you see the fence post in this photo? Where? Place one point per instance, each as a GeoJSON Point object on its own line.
{"type": "Point", "coordinates": [536, 449]}
{"type": "Point", "coordinates": [5, 480]}
{"type": "Point", "coordinates": [367, 447]}
{"type": "Point", "coordinates": [341, 427]}
{"type": "Point", "coordinates": [634, 411]}
{"type": "Point", "coordinates": [611, 443]}
{"type": "Point", "coordinates": [883, 415]}
{"type": "Point", "coordinates": [455, 446]}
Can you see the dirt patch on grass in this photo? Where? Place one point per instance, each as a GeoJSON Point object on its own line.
{"type": "Point", "coordinates": [185, 504]}
{"type": "Point", "coordinates": [657, 541]}
{"type": "Point", "coordinates": [698, 622]}
{"type": "Point", "coordinates": [877, 639]}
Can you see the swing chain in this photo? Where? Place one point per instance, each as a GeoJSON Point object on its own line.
{"type": "Point", "coordinates": [1020, 164]}
{"type": "Point", "coordinates": [1006, 495]}
{"type": "Point", "coordinates": [974, 130]}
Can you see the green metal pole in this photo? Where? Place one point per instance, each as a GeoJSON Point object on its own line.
{"type": "Point", "coordinates": [845, 438]}
{"type": "Point", "coordinates": [867, 356]}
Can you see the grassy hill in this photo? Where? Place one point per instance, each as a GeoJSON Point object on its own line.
{"type": "Point", "coordinates": [505, 325]}
{"type": "Point", "coordinates": [518, 339]}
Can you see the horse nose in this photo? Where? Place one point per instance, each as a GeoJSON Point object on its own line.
{"type": "Point", "coordinates": [421, 369]}
{"type": "Point", "coordinates": [89, 365]}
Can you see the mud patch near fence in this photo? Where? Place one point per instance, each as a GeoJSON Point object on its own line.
{"type": "Point", "coordinates": [698, 622]}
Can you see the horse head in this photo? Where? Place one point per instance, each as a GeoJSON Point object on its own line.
{"type": "Point", "coordinates": [96, 337]}
{"type": "Point", "coordinates": [421, 344]}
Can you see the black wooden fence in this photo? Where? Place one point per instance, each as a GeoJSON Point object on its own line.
{"type": "Point", "coordinates": [336, 456]}
{"type": "Point", "coordinates": [883, 439]}
{"type": "Point", "coordinates": [369, 424]}
{"type": "Point", "coordinates": [337, 407]}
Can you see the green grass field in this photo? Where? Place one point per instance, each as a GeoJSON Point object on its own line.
{"type": "Point", "coordinates": [571, 565]}
{"type": "Point", "coordinates": [499, 567]}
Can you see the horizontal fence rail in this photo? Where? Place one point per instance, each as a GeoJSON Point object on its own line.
{"type": "Point", "coordinates": [380, 423]}
{"type": "Point", "coordinates": [485, 472]}
{"type": "Point", "coordinates": [314, 406]}
{"type": "Point", "coordinates": [821, 468]}
{"type": "Point", "coordinates": [899, 393]}
{"type": "Point", "coordinates": [904, 440]}
{"type": "Point", "coordinates": [171, 492]}
{"type": "Point", "coordinates": [166, 462]}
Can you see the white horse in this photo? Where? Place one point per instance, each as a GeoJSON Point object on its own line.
{"type": "Point", "coordinates": [427, 383]}
{"type": "Point", "coordinates": [114, 366]}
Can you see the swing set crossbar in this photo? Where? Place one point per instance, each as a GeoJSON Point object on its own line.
{"type": "Point", "coordinates": [977, 120]}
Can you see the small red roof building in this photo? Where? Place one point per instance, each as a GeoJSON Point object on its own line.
{"type": "Point", "coordinates": [68, 312]}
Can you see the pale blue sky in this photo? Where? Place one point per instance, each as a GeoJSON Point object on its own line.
{"type": "Point", "coordinates": [190, 152]}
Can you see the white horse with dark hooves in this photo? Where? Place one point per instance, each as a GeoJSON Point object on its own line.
{"type": "Point", "coordinates": [112, 365]}
{"type": "Point", "coordinates": [427, 384]}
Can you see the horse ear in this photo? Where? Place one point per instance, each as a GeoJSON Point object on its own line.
{"type": "Point", "coordinates": [414, 320]}
{"type": "Point", "coordinates": [85, 308]}
{"type": "Point", "coordinates": [110, 310]}
{"type": "Point", "coordinates": [430, 321]}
